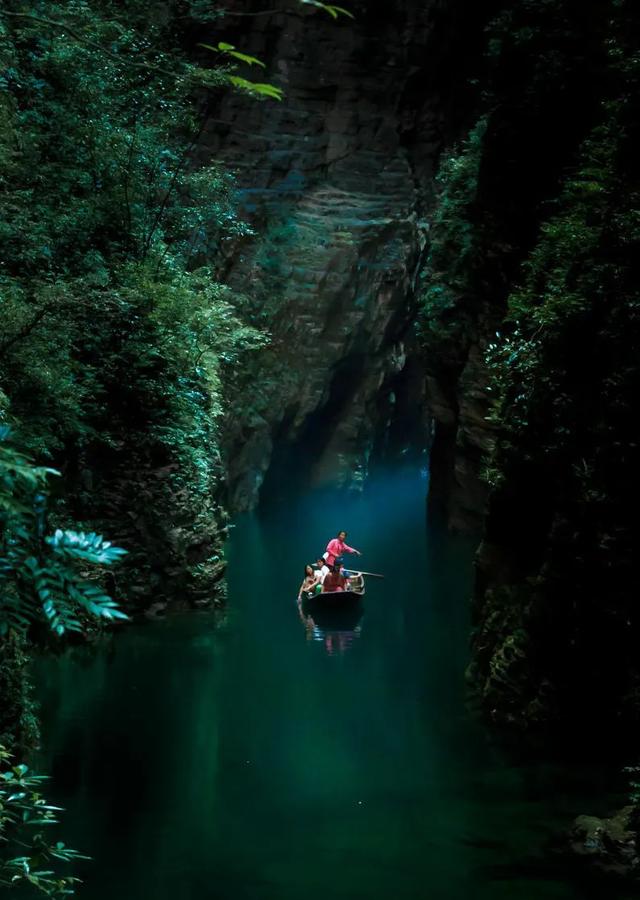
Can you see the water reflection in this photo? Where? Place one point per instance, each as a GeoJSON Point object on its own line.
{"type": "Point", "coordinates": [335, 628]}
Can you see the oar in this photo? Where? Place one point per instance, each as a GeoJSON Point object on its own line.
{"type": "Point", "coordinates": [370, 574]}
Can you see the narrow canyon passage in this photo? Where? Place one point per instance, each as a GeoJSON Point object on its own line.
{"type": "Point", "coordinates": [271, 270]}
{"type": "Point", "coordinates": [263, 755]}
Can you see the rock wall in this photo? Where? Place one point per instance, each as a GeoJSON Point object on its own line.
{"type": "Point", "coordinates": [163, 509]}
{"type": "Point", "coordinates": [338, 179]}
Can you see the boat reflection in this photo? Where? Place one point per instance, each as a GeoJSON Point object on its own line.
{"type": "Point", "coordinates": [336, 627]}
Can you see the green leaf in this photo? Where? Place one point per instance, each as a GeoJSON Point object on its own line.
{"type": "Point", "coordinates": [253, 87]}
{"type": "Point", "coordinates": [230, 50]}
{"type": "Point", "coordinates": [243, 57]}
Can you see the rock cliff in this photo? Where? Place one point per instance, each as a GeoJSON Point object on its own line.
{"type": "Point", "coordinates": [338, 180]}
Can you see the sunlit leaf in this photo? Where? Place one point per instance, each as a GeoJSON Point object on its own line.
{"type": "Point", "coordinates": [256, 88]}
{"type": "Point", "coordinates": [230, 50]}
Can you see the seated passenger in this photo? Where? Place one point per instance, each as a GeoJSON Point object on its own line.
{"type": "Point", "coordinates": [309, 584]}
{"type": "Point", "coordinates": [356, 582]}
{"type": "Point", "coordinates": [334, 581]}
{"type": "Point", "coordinates": [321, 570]}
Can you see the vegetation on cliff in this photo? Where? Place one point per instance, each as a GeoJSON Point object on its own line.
{"type": "Point", "coordinates": [27, 856]}
{"type": "Point", "coordinates": [116, 330]}
{"type": "Point", "coordinates": [118, 337]}
{"type": "Point", "coordinates": [537, 221]}
{"type": "Point", "coordinates": [566, 383]}
{"type": "Point", "coordinates": [49, 582]}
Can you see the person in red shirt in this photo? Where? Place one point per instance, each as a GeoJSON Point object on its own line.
{"type": "Point", "coordinates": [337, 547]}
{"type": "Point", "coordinates": [334, 581]}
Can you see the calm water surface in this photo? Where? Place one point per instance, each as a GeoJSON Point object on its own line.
{"type": "Point", "coordinates": [264, 755]}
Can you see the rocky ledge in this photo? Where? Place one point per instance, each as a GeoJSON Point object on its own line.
{"type": "Point", "coordinates": [610, 844]}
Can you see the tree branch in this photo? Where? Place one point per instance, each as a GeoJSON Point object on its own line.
{"type": "Point", "coordinates": [127, 175]}
{"type": "Point", "coordinates": [179, 167]}
{"type": "Point", "coordinates": [63, 26]}
{"type": "Point", "coordinates": [26, 330]}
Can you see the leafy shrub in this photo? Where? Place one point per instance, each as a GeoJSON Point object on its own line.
{"type": "Point", "coordinates": [44, 577]}
{"type": "Point", "coordinates": [26, 856]}
{"type": "Point", "coordinates": [454, 243]}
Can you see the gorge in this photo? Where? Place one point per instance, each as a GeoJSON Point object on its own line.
{"type": "Point", "coordinates": [219, 306]}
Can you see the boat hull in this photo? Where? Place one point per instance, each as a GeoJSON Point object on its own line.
{"type": "Point", "coordinates": [335, 610]}
{"type": "Point", "coordinates": [340, 595]}
{"type": "Point", "coordinates": [335, 598]}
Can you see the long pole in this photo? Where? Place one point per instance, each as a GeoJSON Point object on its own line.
{"type": "Point", "coordinates": [370, 574]}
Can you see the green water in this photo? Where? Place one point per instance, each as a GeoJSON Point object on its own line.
{"type": "Point", "coordinates": [267, 756]}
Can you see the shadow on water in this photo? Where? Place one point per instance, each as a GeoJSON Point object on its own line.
{"type": "Point", "coordinates": [256, 758]}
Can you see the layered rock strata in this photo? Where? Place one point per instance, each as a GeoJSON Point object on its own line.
{"type": "Point", "coordinates": [337, 179]}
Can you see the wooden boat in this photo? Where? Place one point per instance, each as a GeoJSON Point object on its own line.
{"type": "Point", "coordinates": [335, 610]}
{"type": "Point", "coordinates": [336, 598]}
{"type": "Point", "coordinates": [335, 615]}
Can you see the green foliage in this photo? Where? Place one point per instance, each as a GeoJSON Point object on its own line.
{"type": "Point", "coordinates": [26, 856]}
{"type": "Point", "coordinates": [448, 280]}
{"type": "Point", "coordinates": [117, 335]}
{"type": "Point", "coordinates": [257, 89]}
{"type": "Point", "coordinates": [19, 726]}
{"type": "Point", "coordinates": [263, 90]}
{"type": "Point", "coordinates": [565, 378]}
{"type": "Point", "coordinates": [568, 277]}
{"type": "Point", "coordinates": [634, 783]}
{"type": "Point", "coordinates": [104, 212]}
{"type": "Point", "coordinates": [116, 331]}
{"type": "Point", "coordinates": [43, 578]}
{"type": "Point", "coordinates": [230, 50]}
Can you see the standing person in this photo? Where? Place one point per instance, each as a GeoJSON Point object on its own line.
{"type": "Point", "coordinates": [334, 581]}
{"type": "Point", "coordinates": [337, 548]}
{"type": "Point", "coordinates": [309, 583]}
